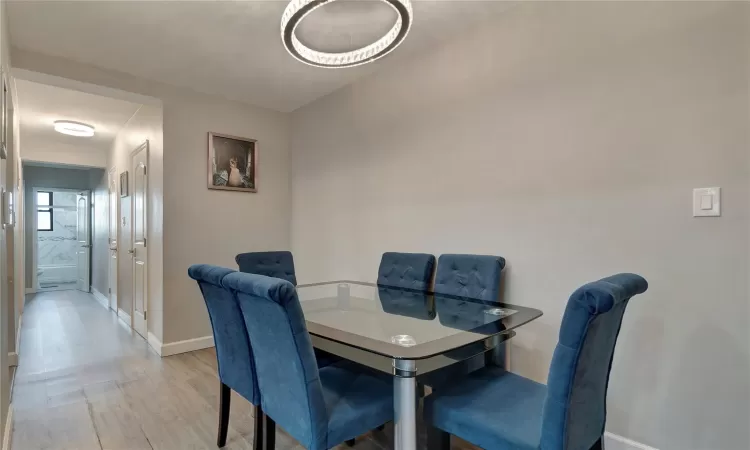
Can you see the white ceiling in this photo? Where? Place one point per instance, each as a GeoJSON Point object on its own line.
{"type": "Point", "coordinates": [40, 105]}
{"type": "Point", "coordinates": [231, 49]}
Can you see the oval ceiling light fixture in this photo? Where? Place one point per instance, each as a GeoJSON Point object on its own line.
{"type": "Point", "coordinates": [296, 11]}
{"type": "Point", "coordinates": [74, 128]}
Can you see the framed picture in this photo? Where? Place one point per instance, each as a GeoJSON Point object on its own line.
{"type": "Point", "coordinates": [124, 184]}
{"type": "Point", "coordinates": [232, 163]}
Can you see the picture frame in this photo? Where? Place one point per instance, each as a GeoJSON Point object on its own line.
{"type": "Point", "coordinates": [124, 184]}
{"type": "Point", "coordinates": [232, 163]}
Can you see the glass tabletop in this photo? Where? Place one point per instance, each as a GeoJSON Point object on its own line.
{"type": "Point", "coordinates": [402, 323]}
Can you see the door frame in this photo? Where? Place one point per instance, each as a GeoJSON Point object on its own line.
{"type": "Point", "coordinates": [112, 176]}
{"type": "Point", "coordinates": [131, 181]}
{"type": "Point", "coordinates": [35, 235]}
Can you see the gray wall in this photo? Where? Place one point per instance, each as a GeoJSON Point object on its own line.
{"type": "Point", "coordinates": [191, 210]}
{"type": "Point", "coordinates": [566, 137]}
{"type": "Point", "coordinates": [146, 124]}
{"type": "Point", "coordinates": [51, 177]}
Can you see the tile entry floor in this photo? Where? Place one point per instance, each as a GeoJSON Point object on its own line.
{"type": "Point", "coordinates": [85, 381]}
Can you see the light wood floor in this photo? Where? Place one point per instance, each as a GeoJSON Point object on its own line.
{"type": "Point", "coordinates": [85, 381]}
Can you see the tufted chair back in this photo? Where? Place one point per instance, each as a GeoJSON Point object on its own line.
{"type": "Point", "coordinates": [288, 377]}
{"type": "Point", "coordinates": [270, 264]}
{"type": "Point", "coordinates": [576, 406]}
{"type": "Point", "coordinates": [233, 351]}
{"type": "Point", "coordinates": [406, 270]}
{"type": "Point", "coordinates": [473, 276]}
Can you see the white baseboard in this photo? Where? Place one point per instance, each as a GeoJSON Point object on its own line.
{"type": "Point", "coordinates": [154, 343]}
{"type": "Point", "coordinates": [13, 359]}
{"type": "Point", "coordinates": [101, 298]}
{"type": "Point", "coordinates": [18, 332]}
{"type": "Point", "coordinates": [8, 434]}
{"type": "Point", "coordinates": [174, 348]}
{"type": "Point", "coordinates": [124, 317]}
{"type": "Point", "coordinates": [615, 442]}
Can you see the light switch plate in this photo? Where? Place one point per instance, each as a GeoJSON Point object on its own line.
{"type": "Point", "coordinates": [707, 202]}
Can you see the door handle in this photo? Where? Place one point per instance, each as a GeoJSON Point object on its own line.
{"type": "Point", "coordinates": [131, 251]}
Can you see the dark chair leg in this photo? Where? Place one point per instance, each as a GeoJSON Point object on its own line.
{"type": "Point", "coordinates": [598, 445]}
{"type": "Point", "coordinates": [351, 442]}
{"type": "Point", "coordinates": [438, 439]}
{"type": "Point", "coordinates": [269, 433]}
{"type": "Point", "coordinates": [224, 398]}
{"type": "Point", "coordinates": [259, 425]}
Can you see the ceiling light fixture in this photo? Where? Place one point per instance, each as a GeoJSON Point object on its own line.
{"type": "Point", "coordinates": [74, 128]}
{"type": "Point", "coordinates": [297, 10]}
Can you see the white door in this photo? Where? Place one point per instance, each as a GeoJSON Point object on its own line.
{"type": "Point", "coordinates": [113, 225]}
{"type": "Point", "coordinates": [84, 240]}
{"type": "Point", "coordinates": [139, 172]}
{"type": "Point", "coordinates": [125, 268]}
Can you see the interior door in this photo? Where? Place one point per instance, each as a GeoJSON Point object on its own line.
{"type": "Point", "coordinates": [125, 268]}
{"type": "Point", "coordinates": [83, 236]}
{"type": "Point", "coordinates": [140, 255]}
{"type": "Point", "coordinates": [113, 222]}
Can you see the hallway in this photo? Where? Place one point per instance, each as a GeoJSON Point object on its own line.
{"type": "Point", "coordinates": [85, 382]}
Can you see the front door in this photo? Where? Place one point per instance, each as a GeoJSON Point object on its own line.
{"type": "Point", "coordinates": [84, 240]}
{"type": "Point", "coordinates": [139, 161]}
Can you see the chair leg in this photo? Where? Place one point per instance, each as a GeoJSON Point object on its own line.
{"type": "Point", "coordinates": [598, 445]}
{"type": "Point", "coordinates": [259, 425]}
{"type": "Point", "coordinates": [269, 433]}
{"type": "Point", "coordinates": [224, 398]}
{"type": "Point", "coordinates": [438, 439]}
{"type": "Point", "coordinates": [351, 442]}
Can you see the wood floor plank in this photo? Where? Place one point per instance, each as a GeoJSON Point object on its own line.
{"type": "Point", "coordinates": [85, 382]}
{"type": "Point", "coordinates": [116, 425]}
{"type": "Point", "coordinates": [66, 427]}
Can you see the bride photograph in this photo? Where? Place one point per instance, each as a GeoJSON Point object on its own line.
{"type": "Point", "coordinates": [232, 163]}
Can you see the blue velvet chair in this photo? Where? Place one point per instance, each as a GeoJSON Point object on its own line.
{"type": "Point", "coordinates": [270, 264]}
{"type": "Point", "coordinates": [406, 270]}
{"type": "Point", "coordinates": [233, 351]}
{"type": "Point", "coordinates": [320, 408]}
{"type": "Point", "coordinates": [499, 410]}
{"type": "Point", "coordinates": [474, 276]}
{"type": "Point", "coordinates": [278, 265]}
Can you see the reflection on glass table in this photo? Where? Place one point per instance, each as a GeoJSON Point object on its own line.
{"type": "Point", "coordinates": [371, 318]}
{"type": "Point", "coordinates": [405, 333]}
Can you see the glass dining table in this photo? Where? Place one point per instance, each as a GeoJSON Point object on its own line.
{"type": "Point", "coordinates": [408, 334]}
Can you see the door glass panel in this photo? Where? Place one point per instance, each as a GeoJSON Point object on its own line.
{"type": "Point", "coordinates": [82, 225]}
